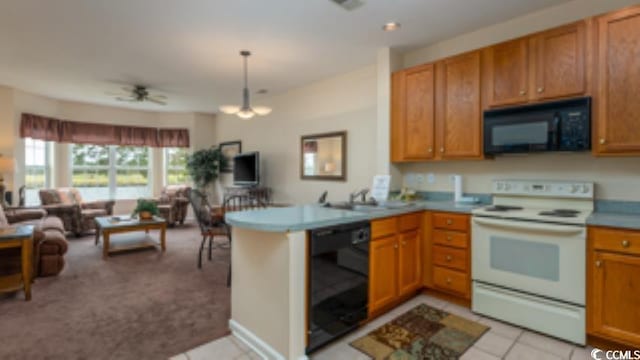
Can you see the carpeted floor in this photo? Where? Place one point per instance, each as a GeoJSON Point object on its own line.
{"type": "Point", "coordinates": [137, 305]}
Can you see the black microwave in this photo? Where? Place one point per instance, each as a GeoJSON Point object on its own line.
{"type": "Point", "coordinates": [552, 126]}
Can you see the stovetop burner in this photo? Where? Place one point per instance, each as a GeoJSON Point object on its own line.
{"type": "Point", "coordinates": [566, 213]}
{"type": "Point", "coordinates": [502, 208]}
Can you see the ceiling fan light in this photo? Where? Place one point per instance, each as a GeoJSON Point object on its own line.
{"type": "Point", "coordinates": [246, 114]}
{"type": "Point", "coordinates": [230, 109]}
{"type": "Point", "coordinates": [262, 110]}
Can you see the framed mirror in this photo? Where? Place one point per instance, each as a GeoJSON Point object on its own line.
{"type": "Point", "coordinates": [324, 156]}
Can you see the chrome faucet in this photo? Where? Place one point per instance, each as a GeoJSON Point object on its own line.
{"type": "Point", "coordinates": [323, 197]}
{"type": "Point", "coordinates": [362, 193]}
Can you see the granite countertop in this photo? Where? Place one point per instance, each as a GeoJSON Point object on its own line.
{"type": "Point", "coordinates": [616, 220]}
{"type": "Point", "coordinates": [306, 217]}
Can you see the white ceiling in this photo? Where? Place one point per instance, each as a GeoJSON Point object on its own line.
{"type": "Point", "coordinates": [188, 50]}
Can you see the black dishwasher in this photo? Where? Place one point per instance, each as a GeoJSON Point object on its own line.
{"type": "Point", "coordinates": [338, 281]}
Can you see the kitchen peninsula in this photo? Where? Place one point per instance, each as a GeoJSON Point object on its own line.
{"type": "Point", "coordinates": [269, 270]}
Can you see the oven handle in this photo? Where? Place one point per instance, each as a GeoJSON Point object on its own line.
{"type": "Point", "coordinates": [522, 225]}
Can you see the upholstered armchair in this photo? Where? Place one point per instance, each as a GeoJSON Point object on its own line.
{"type": "Point", "coordinates": [173, 203]}
{"type": "Point", "coordinates": [50, 244]}
{"type": "Point", "coordinates": [77, 215]}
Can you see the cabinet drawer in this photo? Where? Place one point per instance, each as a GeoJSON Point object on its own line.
{"type": "Point", "coordinates": [451, 280]}
{"type": "Point", "coordinates": [616, 240]}
{"type": "Point", "coordinates": [450, 258]}
{"type": "Point", "coordinates": [451, 238]}
{"type": "Point", "coordinates": [409, 222]}
{"type": "Point", "coordinates": [451, 221]}
{"type": "Point", "coordinates": [384, 227]}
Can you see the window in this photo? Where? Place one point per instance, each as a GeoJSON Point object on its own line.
{"type": "Point", "coordinates": [110, 172]}
{"type": "Point", "coordinates": [175, 162]}
{"type": "Point", "coordinates": [36, 169]}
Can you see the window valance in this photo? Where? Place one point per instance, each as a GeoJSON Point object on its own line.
{"type": "Point", "coordinates": [50, 129]}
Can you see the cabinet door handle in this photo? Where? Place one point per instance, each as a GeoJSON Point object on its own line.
{"type": "Point", "coordinates": [430, 150]}
{"type": "Point", "coordinates": [625, 243]}
{"type": "Point", "coordinates": [395, 246]}
{"type": "Point", "coordinates": [449, 221]}
{"type": "Point", "coordinates": [448, 258]}
{"type": "Point", "coordinates": [598, 263]}
{"type": "Point", "coordinates": [449, 238]}
{"type": "Point", "coordinates": [441, 149]}
{"type": "Point", "coordinates": [602, 141]}
{"type": "Point", "coordinates": [523, 93]}
{"type": "Point", "coordinates": [404, 243]}
{"type": "Point", "coordinates": [540, 90]}
{"type": "Point", "coordinates": [448, 280]}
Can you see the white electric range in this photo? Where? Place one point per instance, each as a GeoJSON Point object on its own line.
{"type": "Point", "coordinates": [528, 256]}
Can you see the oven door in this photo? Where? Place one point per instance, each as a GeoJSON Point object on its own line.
{"type": "Point", "coordinates": [522, 133]}
{"type": "Point", "coordinates": [538, 258]}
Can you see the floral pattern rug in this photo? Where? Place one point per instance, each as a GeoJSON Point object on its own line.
{"type": "Point", "coordinates": [421, 333]}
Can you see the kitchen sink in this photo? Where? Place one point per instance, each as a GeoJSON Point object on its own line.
{"type": "Point", "coordinates": [367, 207]}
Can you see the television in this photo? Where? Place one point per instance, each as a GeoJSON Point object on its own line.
{"type": "Point", "coordinates": [246, 169]}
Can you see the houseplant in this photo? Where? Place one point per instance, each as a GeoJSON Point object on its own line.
{"type": "Point", "coordinates": [204, 166]}
{"type": "Point", "coordinates": [146, 209]}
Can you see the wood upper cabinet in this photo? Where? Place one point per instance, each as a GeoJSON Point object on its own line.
{"type": "Point", "coordinates": [613, 285]}
{"type": "Point", "coordinates": [458, 115]}
{"type": "Point", "coordinates": [548, 65]}
{"type": "Point", "coordinates": [618, 83]}
{"type": "Point", "coordinates": [507, 72]}
{"type": "Point", "coordinates": [383, 265]}
{"type": "Point", "coordinates": [409, 273]}
{"type": "Point", "coordinates": [413, 114]}
{"type": "Point", "coordinates": [559, 66]}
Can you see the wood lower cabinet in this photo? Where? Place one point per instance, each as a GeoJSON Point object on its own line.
{"type": "Point", "coordinates": [409, 271]}
{"type": "Point", "coordinates": [395, 268]}
{"type": "Point", "coordinates": [383, 260]}
{"type": "Point", "coordinates": [618, 83]}
{"type": "Point", "coordinates": [613, 286]}
{"type": "Point", "coordinates": [446, 246]}
{"type": "Point", "coordinates": [458, 109]}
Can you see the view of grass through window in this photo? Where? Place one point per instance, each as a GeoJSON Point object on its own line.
{"type": "Point", "coordinates": [110, 172]}
{"type": "Point", "coordinates": [175, 165]}
{"type": "Point", "coordinates": [36, 169]}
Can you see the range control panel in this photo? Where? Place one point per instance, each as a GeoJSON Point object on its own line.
{"type": "Point", "coordinates": [544, 188]}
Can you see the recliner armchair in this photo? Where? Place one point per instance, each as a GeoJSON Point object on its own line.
{"type": "Point", "coordinates": [77, 215]}
{"type": "Point", "coordinates": [173, 203]}
{"type": "Point", "coordinates": [49, 245]}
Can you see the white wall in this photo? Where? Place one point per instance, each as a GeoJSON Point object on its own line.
{"type": "Point", "coordinates": [533, 22]}
{"type": "Point", "coordinates": [346, 102]}
{"type": "Point", "coordinates": [201, 128]}
{"type": "Point", "coordinates": [616, 178]}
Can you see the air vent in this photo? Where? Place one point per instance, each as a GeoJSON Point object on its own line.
{"type": "Point", "coordinates": [349, 4]}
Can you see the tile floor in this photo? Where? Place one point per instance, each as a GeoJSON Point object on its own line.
{"type": "Point", "coordinates": [502, 341]}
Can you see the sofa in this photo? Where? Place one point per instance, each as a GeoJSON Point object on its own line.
{"type": "Point", "coordinates": [76, 215]}
{"type": "Point", "coordinates": [50, 244]}
{"type": "Point", "coordinates": [173, 203]}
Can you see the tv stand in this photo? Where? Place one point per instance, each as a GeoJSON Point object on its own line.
{"type": "Point", "coordinates": [260, 193]}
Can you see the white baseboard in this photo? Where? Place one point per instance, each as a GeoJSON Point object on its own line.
{"type": "Point", "coordinates": [256, 344]}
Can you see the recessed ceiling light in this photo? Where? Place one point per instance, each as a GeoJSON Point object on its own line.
{"type": "Point", "coordinates": [391, 26]}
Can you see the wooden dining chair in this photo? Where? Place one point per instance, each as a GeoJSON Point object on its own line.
{"type": "Point", "coordinates": [210, 225]}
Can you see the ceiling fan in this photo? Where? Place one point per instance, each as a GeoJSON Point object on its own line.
{"type": "Point", "coordinates": [245, 111]}
{"type": "Point", "coordinates": [138, 93]}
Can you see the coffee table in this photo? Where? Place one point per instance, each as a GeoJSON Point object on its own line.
{"type": "Point", "coordinates": [128, 230]}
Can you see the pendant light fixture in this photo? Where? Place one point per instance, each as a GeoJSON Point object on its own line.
{"type": "Point", "coordinates": [245, 111]}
